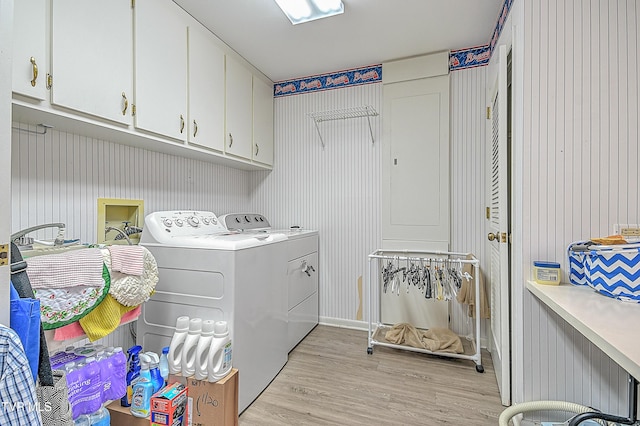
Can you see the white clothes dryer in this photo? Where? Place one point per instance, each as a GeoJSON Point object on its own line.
{"type": "Point", "coordinates": [209, 272]}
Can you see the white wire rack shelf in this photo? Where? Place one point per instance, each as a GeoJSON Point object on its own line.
{"type": "Point", "coordinates": [343, 114]}
{"type": "Point", "coordinates": [374, 291]}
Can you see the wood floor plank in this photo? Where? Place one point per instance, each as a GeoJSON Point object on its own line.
{"type": "Point", "coordinates": [331, 380]}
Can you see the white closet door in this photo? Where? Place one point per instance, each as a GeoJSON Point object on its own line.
{"type": "Point", "coordinates": [498, 238]}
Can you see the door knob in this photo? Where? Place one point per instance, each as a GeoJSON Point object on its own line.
{"type": "Point", "coordinates": [492, 236]}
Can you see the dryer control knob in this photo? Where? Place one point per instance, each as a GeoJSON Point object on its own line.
{"type": "Point", "coordinates": [205, 220]}
{"type": "Point", "coordinates": [167, 222]}
{"type": "Point", "coordinates": [246, 218]}
{"type": "Point", "coordinates": [213, 220]}
{"type": "Point", "coordinates": [238, 219]}
{"type": "Point", "coordinates": [193, 221]}
{"type": "Point", "coordinates": [179, 222]}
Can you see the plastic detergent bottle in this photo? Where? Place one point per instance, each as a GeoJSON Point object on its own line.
{"type": "Point", "coordinates": [174, 357]}
{"type": "Point", "coordinates": [118, 363]}
{"type": "Point", "coordinates": [202, 350]}
{"type": "Point", "coordinates": [219, 360]}
{"type": "Point", "coordinates": [142, 389]}
{"type": "Point", "coordinates": [164, 365]}
{"type": "Point", "coordinates": [132, 374]}
{"type": "Point", "coordinates": [154, 368]}
{"type": "Point", "coordinates": [190, 346]}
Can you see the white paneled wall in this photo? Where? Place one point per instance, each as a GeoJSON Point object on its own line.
{"type": "Point", "coordinates": [58, 177]}
{"type": "Point", "coordinates": [468, 170]}
{"type": "Point", "coordinates": [581, 128]}
{"type": "Point", "coordinates": [335, 190]}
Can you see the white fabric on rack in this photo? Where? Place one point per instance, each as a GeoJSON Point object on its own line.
{"type": "Point", "coordinates": [70, 269]}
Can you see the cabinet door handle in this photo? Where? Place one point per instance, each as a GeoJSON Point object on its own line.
{"type": "Point", "coordinates": [181, 123]}
{"type": "Point", "coordinates": [34, 67]}
{"type": "Point", "coordinates": [257, 149]}
{"type": "Point", "coordinates": [195, 128]}
{"type": "Point", "coordinates": [230, 140]}
{"type": "Point", "coordinates": [126, 104]}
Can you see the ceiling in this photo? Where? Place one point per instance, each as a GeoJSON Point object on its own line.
{"type": "Point", "coordinates": [369, 32]}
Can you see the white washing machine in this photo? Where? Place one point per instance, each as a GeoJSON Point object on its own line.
{"type": "Point", "coordinates": [208, 272]}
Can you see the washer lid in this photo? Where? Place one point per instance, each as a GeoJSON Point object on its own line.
{"type": "Point", "coordinates": [222, 241]}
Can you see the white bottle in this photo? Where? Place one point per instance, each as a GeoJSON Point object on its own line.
{"type": "Point", "coordinates": [219, 360]}
{"type": "Point", "coordinates": [190, 346]}
{"type": "Point", "coordinates": [174, 357]}
{"type": "Point", "coordinates": [202, 351]}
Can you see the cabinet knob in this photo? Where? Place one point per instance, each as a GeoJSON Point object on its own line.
{"type": "Point", "coordinates": [181, 123]}
{"type": "Point", "coordinates": [491, 236]}
{"type": "Point", "coordinates": [126, 104]}
{"type": "Point", "coordinates": [230, 140]}
{"type": "Point", "coordinates": [195, 128]}
{"type": "Point", "coordinates": [34, 68]}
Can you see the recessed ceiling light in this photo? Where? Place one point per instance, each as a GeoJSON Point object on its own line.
{"type": "Point", "coordinates": [299, 11]}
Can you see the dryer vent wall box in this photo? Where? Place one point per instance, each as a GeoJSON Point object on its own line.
{"type": "Point", "coordinates": [117, 217]}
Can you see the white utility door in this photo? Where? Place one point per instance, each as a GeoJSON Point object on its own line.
{"type": "Point", "coordinates": [6, 38]}
{"type": "Point", "coordinates": [498, 237]}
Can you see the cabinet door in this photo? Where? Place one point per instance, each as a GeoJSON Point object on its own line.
{"type": "Point", "coordinates": [416, 155]}
{"type": "Point", "coordinates": [92, 57]}
{"type": "Point", "coordinates": [29, 48]}
{"type": "Point", "coordinates": [161, 68]}
{"type": "Point", "coordinates": [262, 122]}
{"type": "Point", "coordinates": [238, 109]}
{"type": "Point", "coordinates": [206, 89]}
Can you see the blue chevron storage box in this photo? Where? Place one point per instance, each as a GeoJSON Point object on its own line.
{"type": "Point", "coordinates": [611, 270]}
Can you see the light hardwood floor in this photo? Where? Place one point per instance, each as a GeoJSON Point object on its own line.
{"type": "Point", "coordinates": [330, 380]}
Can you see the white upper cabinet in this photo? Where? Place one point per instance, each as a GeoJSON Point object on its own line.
{"type": "Point", "coordinates": [92, 57]}
{"type": "Point", "coordinates": [262, 122]}
{"type": "Point", "coordinates": [29, 48]}
{"type": "Point", "coordinates": [161, 68]}
{"type": "Point", "coordinates": [239, 97]}
{"type": "Point", "coordinates": [206, 89]}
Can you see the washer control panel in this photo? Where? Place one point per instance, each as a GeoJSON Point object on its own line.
{"type": "Point", "coordinates": [180, 223]}
{"type": "Point", "coordinates": [245, 222]}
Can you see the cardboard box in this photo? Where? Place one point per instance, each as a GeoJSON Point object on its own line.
{"type": "Point", "coordinates": [121, 416]}
{"type": "Point", "coordinates": [169, 406]}
{"type": "Point", "coordinates": [212, 404]}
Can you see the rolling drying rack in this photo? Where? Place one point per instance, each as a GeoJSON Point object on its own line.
{"type": "Point", "coordinates": [374, 292]}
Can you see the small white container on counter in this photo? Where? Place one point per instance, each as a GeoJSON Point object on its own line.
{"type": "Point", "coordinates": [547, 273]}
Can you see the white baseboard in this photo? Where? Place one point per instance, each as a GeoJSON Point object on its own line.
{"type": "Point", "coordinates": [343, 323]}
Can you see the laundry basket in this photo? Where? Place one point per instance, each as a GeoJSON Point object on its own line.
{"type": "Point", "coordinates": [611, 270]}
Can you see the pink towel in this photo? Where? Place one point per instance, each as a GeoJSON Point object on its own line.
{"type": "Point", "coordinates": [127, 259]}
{"type": "Point", "coordinates": [70, 269]}
{"type": "Point", "coordinates": [74, 329]}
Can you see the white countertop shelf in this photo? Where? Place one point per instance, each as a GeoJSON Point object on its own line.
{"type": "Point", "coordinates": [610, 324]}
